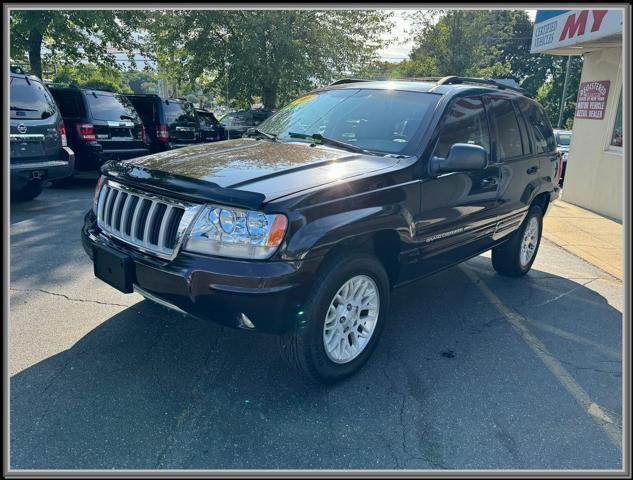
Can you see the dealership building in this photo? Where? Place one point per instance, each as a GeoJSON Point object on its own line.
{"type": "Point", "coordinates": [594, 178]}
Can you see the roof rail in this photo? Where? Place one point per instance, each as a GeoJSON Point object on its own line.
{"type": "Point", "coordinates": [424, 79]}
{"type": "Point", "coordinates": [452, 80]}
{"type": "Point", "coordinates": [348, 80]}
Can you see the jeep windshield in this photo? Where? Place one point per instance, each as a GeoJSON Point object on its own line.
{"type": "Point", "coordinates": [30, 100]}
{"type": "Point", "coordinates": [376, 120]}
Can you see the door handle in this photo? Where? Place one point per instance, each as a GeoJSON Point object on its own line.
{"type": "Point", "coordinates": [532, 170]}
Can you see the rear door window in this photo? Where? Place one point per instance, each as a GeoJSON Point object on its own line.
{"type": "Point", "coordinates": [108, 107]}
{"type": "Point", "coordinates": [506, 128]}
{"type": "Point", "coordinates": [539, 125]}
{"type": "Point", "coordinates": [30, 100]}
{"type": "Point", "coordinates": [464, 122]}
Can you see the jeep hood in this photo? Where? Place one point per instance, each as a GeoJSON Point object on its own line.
{"type": "Point", "coordinates": [245, 172]}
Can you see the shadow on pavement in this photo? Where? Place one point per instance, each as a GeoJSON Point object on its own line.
{"type": "Point", "coordinates": [449, 386]}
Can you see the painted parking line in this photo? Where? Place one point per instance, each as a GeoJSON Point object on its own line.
{"type": "Point", "coordinates": [518, 323]}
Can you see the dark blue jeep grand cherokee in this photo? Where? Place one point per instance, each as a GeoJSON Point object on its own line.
{"type": "Point", "coordinates": [303, 228]}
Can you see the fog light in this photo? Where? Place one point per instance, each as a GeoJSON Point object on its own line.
{"type": "Point", "coordinates": [245, 321]}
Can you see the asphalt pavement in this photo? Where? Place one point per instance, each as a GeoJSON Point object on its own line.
{"type": "Point", "coordinates": [474, 371]}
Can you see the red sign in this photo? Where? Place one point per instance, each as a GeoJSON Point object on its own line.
{"type": "Point", "coordinates": [592, 99]}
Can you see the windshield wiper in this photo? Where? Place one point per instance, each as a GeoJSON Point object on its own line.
{"type": "Point", "coordinates": [318, 138]}
{"type": "Point", "coordinates": [20, 109]}
{"type": "Point", "coordinates": [257, 131]}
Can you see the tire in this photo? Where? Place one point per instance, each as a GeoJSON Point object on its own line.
{"type": "Point", "coordinates": [28, 192]}
{"type": "Point", "coordinates": [507, 259]}
{"type": "Point", "coordinates": [305, 349]}
{"type": "Point", "coordinates": [63, 182]}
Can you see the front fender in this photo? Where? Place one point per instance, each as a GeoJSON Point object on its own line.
{"type": "Point", "coordinates": [319, 236]}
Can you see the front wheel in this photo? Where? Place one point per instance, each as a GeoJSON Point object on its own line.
{"type": "Point", "coordinates": [514, 258]}
{"type": "Point", "coordinates": [343, 319]}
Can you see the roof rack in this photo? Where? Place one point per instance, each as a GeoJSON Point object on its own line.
{"type": "Point", "coordinates": [452, 80]}
{"type": "Point", "coordinates": [348, 80]}
{"type": "Point", "coordinates": [424, 79]}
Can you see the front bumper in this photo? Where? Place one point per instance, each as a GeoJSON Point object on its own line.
{"type": "Point", "coordinates": [22, 173]}
{"type": "Point", "coordinates": [271, 294]}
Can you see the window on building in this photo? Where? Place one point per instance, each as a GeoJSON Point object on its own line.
{"type": "Point", "coordinates": [616, 136]}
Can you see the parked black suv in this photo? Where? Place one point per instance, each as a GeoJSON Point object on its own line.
{"type": "Point", "coordinates": [100, 125]}
{"type": "Point", "coordinates": [210, 128]}
{"type": "Point", "coordinates": [236, 124]}
{"type": "Point", "coordinates": [169, 123]}
{"type": "Point", "coordinates": [345, 193]}
{"type": "Point", "coordinates": [39, 149]}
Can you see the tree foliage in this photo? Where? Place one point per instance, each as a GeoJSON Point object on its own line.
{"type": "Point", "coordinates": [75, 35]}
{"type": "Point", "coordinates": [267, 53]}
{"type": "Point", "coordinates": [93, 76]}
{"type": "Point", "coordinates": [486, 43]}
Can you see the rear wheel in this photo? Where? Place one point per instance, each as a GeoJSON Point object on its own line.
{"type": "Point", "coordinates": [515, 257]}
{"type": "Point", "coordinates": [28, 192]}
{"type": "Point", "coordinates": [343, 319]}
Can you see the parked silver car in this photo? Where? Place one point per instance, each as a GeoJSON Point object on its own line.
{"type": "Point", "coordinates": [563, 141]}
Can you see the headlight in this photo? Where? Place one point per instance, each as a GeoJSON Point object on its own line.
{"type": "Point", "coordinates": [236, 233]}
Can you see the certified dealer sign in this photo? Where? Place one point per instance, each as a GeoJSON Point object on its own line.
{"type": "Point", "coordinates": [560, 28]}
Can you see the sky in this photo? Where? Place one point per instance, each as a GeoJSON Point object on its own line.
{"type": "Point", "coordinates": [403, 43]}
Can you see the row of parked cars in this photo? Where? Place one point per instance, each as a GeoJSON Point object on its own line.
{"type": "Point", "coordinates": [58, 130]}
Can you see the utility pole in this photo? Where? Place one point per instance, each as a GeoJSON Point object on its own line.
{"type": "Point", "coordinates": [564, 97]}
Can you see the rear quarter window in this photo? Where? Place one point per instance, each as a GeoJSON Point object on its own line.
{"type": "Point", "coordinates": [30, 100]}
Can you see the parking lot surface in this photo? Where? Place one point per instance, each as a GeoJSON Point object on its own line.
{"type": "Point", "coordinates": [473, 371]}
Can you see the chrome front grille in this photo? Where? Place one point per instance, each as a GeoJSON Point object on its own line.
{"type": "Point", "coordinates": [151, 223]}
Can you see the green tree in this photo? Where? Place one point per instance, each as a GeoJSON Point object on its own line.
{"type": "Point", "coordinates": [142, 81]}
{"type": "Point", "coordinates": [75, 35]}
{"type": "Point", "coordinates": [488, 43]}
{"type": "Point", "coordinates": [92, 76]}
{"type": "Point", "coordinates": [267, 53]}
{"type": "Point", "coordinates": [551, 91]}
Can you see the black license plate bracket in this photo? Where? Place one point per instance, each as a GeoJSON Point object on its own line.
{"type": "Point", "coordinates": [114, 268]}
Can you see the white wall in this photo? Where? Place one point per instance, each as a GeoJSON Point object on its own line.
{"type": "Point", "coordinates": [594, 178]}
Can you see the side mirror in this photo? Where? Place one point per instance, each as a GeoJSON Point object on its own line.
{"type": "Point", "coordinates": [462, 157]}
{"type": "Point", "coordinates": [249, 132]}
